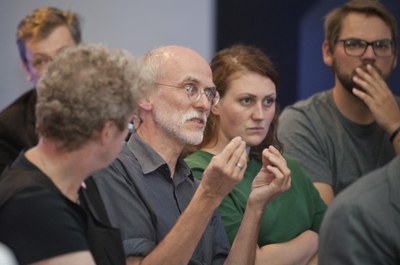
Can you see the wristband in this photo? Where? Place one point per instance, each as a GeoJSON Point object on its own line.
{"type": "Point", "coordinates": [394, 134]}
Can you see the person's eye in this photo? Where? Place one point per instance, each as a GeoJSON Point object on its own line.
{"type": "Point", "coordinates": [210, 93]}
{"type": "Point", "coordinates": [269, 101]}
{"type": "Point", "coordinates": [355, 44]}
{"type": "Point", "coordinates": [191, 89]}
{"type": "Point", "coordinates": [246, 100]}
{"type": "Point", "coordinates": [39, 62]}
{"type": "Point", "coordinates": [382, 45]}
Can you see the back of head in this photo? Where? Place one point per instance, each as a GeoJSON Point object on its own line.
{"type": "Point", "coordinates": [229, 64]}
{"type": "Point", "coordinates": [41, 22]}
{"type": "Point", "coordinates": [83, 88]}
{"type": "Point", "coordinates": [334, 19]}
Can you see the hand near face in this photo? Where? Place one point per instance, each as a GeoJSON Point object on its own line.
{"type": "Point", "coordinates": [378, 97]}
{"type": "Point", "coordinates": [225, 169]}
{"type": "Point", "coordinates": [273, 178]}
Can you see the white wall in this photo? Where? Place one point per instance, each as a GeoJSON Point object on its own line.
{"type": "Point", "coordinates": [135, 25]}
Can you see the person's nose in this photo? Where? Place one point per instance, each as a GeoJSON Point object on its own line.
{"type": "Point", "coordinates": [203, 103]}
{"type": "Point", "coordinates": [258, 112]}
{"type": "Point", "coordinates": [369, 52]}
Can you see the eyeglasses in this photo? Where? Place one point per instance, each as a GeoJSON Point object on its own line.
{"type": "Point", "coordinates": [194, 92]}
{"type": "Point", "coordinates": [357, 47]}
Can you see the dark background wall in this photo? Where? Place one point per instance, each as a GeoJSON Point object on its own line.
{"type": "Point", "coordinates": [291, 33]}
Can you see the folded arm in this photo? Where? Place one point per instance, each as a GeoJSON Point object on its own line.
{"type": "Point", "coordinates": [302, 249]}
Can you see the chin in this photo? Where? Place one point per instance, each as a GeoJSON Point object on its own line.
{"type": "Point", "coordinates": [193, 139]}
{"type": "Point", "coordinates": [253, 142]}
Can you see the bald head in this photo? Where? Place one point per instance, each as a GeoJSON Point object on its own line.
{"type": "Point", "coordinates": [164, 61]}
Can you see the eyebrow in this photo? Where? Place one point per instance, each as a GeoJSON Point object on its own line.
{"type": "Point", "coordinates": [253, 95]}
{"type": "Point", "coordinates": [191, 79]}
{"type": "Point", "coordinates": [40, 55]}
{"type": "Point", "coordinates": [196, 81]}
{"type": "Point", "coordinates": [47, 55]}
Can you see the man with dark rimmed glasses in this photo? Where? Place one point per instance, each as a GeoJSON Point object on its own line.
{"type": "Point", "coordinates": [357, 47]}
{"type": "Point", "coordinates": [347, 131]}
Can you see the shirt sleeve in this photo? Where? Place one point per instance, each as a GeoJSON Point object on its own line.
{"type": "Point", "coordinates": [38, 224]}
{"type": "Point", "coordinates": [125, 209]}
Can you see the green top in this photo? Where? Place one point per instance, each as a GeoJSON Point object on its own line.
{"type": "Point", "coordinates": [296, 210]}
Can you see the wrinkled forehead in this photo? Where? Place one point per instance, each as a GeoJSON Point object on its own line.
{"type": "Point", "coordinates": [185, 64]}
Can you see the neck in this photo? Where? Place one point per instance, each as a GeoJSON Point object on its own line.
{"type": "Point", "coordinates": [166, 146]}
{"type": "Point", "coordinates": [214, 149]}
{"type": "Point", "coordinates": [66, 170]}
{"type": "Point", "coordinates": [216, 146]}
{"type": "Point", "coordinates": [352, 107]}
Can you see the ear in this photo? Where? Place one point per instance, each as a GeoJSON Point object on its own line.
{"type": "Point", "coordinates": [145, 104]}
{"type": "Point", "coordinates": [216, 109]}
{"type": "Point", "coordinates": [326, 54]}
{"type": "Point", "coordinates": [394, 63]}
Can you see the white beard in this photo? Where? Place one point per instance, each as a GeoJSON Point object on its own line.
{"type": "Point", "coordinates": [173, 124]}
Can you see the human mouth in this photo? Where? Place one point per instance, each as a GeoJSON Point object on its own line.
{"type": "Point", "coordinates": [256, 129]}
{"type": "Point", "coordinates": [199, 119]}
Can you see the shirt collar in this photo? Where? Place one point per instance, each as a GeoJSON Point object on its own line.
{"type": "Point", "coordinates": [150, 160]}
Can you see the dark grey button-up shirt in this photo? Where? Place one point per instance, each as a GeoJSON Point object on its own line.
{"type": "Point", "coordinates": [144, 202]}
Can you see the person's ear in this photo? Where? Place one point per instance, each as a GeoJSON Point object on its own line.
{"type": "Point", "coordinates": [327, 54]}
{"type": "Point", "coordinates": [145, 103]}
{"type": "Point", "coordinates": [216, 109]}
{"type": "Point", "coordinates": [394, 63]}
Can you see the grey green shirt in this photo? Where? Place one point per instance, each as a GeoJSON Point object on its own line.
{"type": "Point", "coordinates": [331, 148]}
